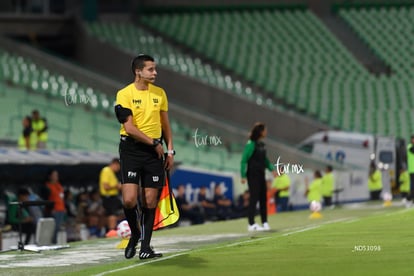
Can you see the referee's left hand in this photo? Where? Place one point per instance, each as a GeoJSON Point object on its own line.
{"type": "Point", "coordinates": [169, 162]}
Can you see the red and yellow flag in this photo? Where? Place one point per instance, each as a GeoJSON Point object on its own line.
{"type": "Point", "coordinates": [166, 212]}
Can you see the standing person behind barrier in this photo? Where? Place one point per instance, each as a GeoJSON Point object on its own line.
{"type": "Point", "coordinates": [253, 165]}
{"type": "Point", "coordinates": [53, 191]}
{"type": "Point", "coordinates": [374, 182]}
{"type": "Point", "coordinates": [314, 190]}
{"type": "Point", "coordinates": [109, 188]}
{"type": "Point", "coordinates": [410, 165]}
{"type": "Point", "coordinates": [404, 181]}
{"type": "Point", "coordinates": [142, 109]}
{"type": "Point", "coordinates": [282, 185]}
{"type": "Point", "coordinates": [40, 127]}
{"type": "Point", "coordinates": [28, 138]}
{"type": "Point", "coordinates": [328, 184]}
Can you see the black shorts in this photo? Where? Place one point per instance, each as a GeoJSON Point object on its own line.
{"type": "Point", "coordinates": [112, 205]}
{"type": "Point", "coordinates": [140, 164]}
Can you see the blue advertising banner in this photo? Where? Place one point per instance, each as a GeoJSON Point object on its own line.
{"type": "Point", "coordinates": [194, 180]}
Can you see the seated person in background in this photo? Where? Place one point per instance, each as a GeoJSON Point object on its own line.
{"type": "Point", "coordinates": [72, 228]}
{"type": "Point", "coordinates": [187, 210]}
{"type": "Point", "coordinates": [224, 205]}
{"type": "Point", "coordinates": [243, 204]}
{"type": "Point", "coordinates": [208, 207]}
{"type": "Point", "coordinates": [15, 217]}
{"type": "Point", "coordinates": [96, 214]}
{"type": "Point", "coordinates": [82, 203]}
{"type": "Point", "coordinates": [35, 211]}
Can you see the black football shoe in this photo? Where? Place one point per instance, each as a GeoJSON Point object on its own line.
{"type": "Point", "coordinates": [131, 250]}
{"type": "Point", "coordinates": [148, 254]}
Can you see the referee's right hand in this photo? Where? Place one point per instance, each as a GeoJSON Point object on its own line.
{"type": "Point", "coordinates": [159, 150]}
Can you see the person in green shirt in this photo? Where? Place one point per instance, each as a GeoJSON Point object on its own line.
{"type": "Point", "coordinates": [282, 184]}
{"type": "Point", "coordinates": [253, 166]}
{"type": "Point", "coordinates": [328, 183]}
{"type": "Point", "coordinates": [16, 217]}
{"type": "Point", "coordinates": [314, 190]}
{"type": "Point", "coordinates": [374, 182]}
{"type": "Point", "coordinates": [404, 181]}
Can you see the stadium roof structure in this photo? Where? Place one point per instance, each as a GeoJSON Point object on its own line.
{"type": "Point", "coordinates": [53, 157]}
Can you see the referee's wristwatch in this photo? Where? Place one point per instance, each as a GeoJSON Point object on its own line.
{"type": "Point", "coordinates": [156, 142]}
{"type": "Point", "coordinates": [171, 152]}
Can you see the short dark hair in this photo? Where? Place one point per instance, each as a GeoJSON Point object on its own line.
{"type": "Point", "coordinates": [139, 62]}
{"type": "Point", "coordinates": [115, 161]}
{"type": "Point", "coordinates": [256, 131]}
{"type": "Point", "coordinates": [329, 168]}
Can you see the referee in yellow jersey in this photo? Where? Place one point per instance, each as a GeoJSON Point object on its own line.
{"type": "Point", "coordinates": [142, 109]}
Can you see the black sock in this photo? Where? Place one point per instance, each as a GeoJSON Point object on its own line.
{"type": "Point", "coordinates": [131, 215]}
{"type": "Point", "coordinates": [147, 222]}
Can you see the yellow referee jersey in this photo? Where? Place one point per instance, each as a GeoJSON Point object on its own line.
{"type": "Point", "coordinates": [145, 106]}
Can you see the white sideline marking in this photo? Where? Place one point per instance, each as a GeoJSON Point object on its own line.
{"type": "Point", "coordinates": [176, 255]}
{"type": "Point", "coordinates": [301, 230]}
{"type": "Point", "coordinates": [140, 264]}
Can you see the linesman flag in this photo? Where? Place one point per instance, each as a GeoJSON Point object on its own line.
{"type": "Point", "coordinates": [166, 212]}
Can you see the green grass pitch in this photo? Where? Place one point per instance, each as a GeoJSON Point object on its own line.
{"type": "Point", "coordinates": [367, 239]}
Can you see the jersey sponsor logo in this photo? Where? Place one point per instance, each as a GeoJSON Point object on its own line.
{"type": "Point", "coordinates": [136, 102]}
{"type": "Point", "coordinates": [132, 174]}
{"type": "Point", "coordinates": [155, 100]}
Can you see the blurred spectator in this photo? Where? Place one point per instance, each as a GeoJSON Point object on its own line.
{"type": "Point", "coordinates": [313, 191]}
{"type": "Point", "coordinates": [109, 188]}
{"type": "Point", "coordinates": [404, 181]}
{"type": "Point", "coordinates": [20, 215]}
{"type": "Point", "coordinates": [54, 192]}
{"type": "Point", "coordinates": [96, 214]}
{"type": "Point", "coordinates": [282, 185]}
{"type": "Point", "coordinates": [224, 205]}
{"type": "Point", "coordinates": [28, 139]}
{"type": "Point", "coordinates": [410, 165]}
{"type": "Point", "coordinates": [82, 203]}
{"type": "Point", "coordinates": [208, 207]}
{"type": "Point", "coordinates": [72, 227]}
{"type": "Point", "coordinates": [328, 186]}
{"type": "Point", "coordinates": [35, 211]}
{"type": "Point", "coordinates": [242, 206]}
{"type": "Point", "coordinates": [374, 182]}
{"type": "Point", "coordinates": [39, 126]}
{"type": "Point", "coordinates": [187, 210]}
